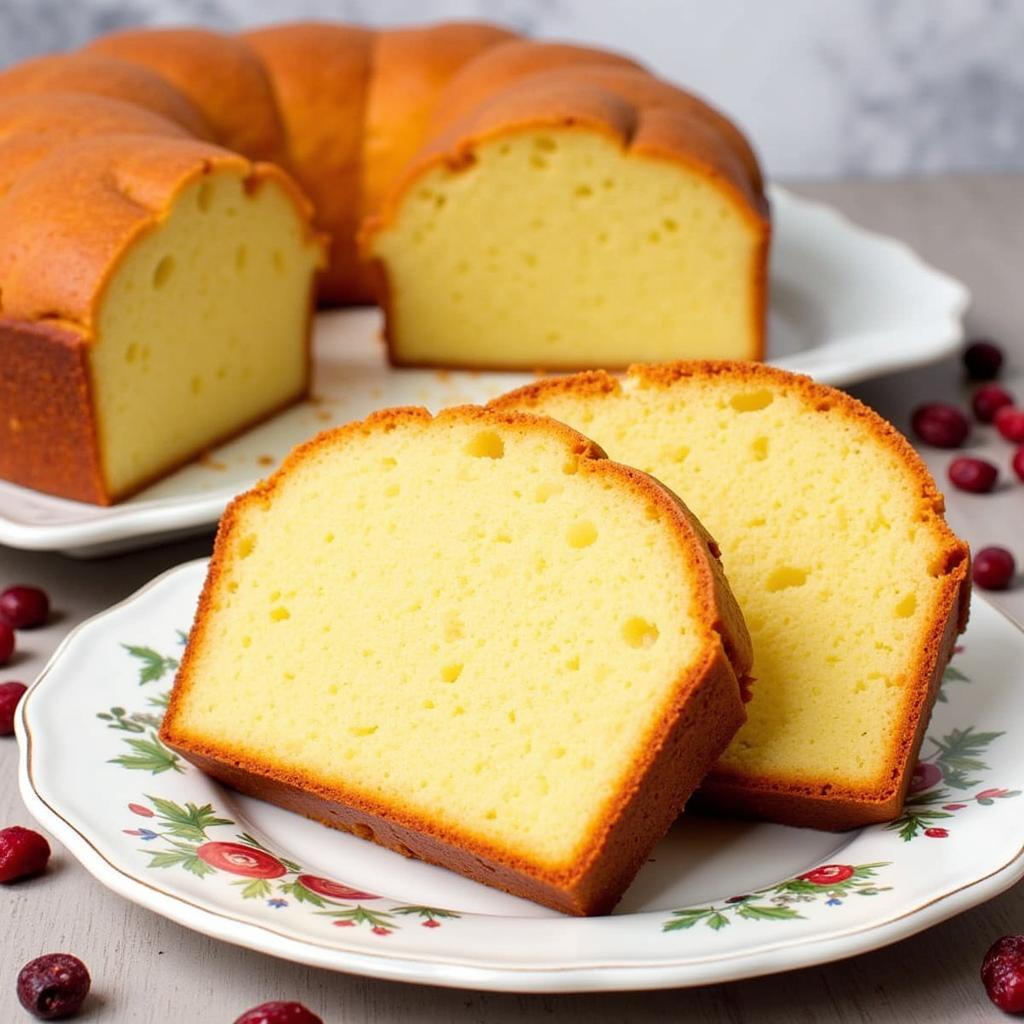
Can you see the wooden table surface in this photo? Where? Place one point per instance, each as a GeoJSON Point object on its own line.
{"type": "Point", "coordinates": [147, 969]}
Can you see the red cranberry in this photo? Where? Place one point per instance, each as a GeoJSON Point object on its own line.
{"type": "Point", "coordinates": [993, 568]}
{"type": "Point", "coordinates": [1002, 972]}
{"type": "Point", "coordinates": [1018, 462]}
{"type": "Point", "coordinates": [10, 694]}
{"type": "Point", "coordinates": [279, 1013]}
{"type": "Point", "coordinates": [24, 607]}
{"type": "Point", "coordinates": [54, 986]}
{"type": "Point", "coordinates": [983, 360]}
{"type": "Point", "coordinates": [6, 642]}
{"type": "Point", "coordinates": [987, 401]}
{"type": "Point", "coordinates": [23, 853]}
{"type": "Point", "coordinates": [1009, 421]}
{"type": "Point", "coordinates": [974, 475]}
{"type": "Point", "coordinates": [943, 426]}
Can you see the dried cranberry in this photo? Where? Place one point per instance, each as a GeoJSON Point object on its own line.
{"type": "Point", "coordinates": [279, 1013]}
{"type": "Point", "coordinates": [1002, 972]}
{"type": "Point", "coordinates": [1018, 462]}
{"type": "Point", "coordinates": [54, 986]}
{"type": "Point", "coordinates": [10, 694]}
{"type": "Point", "coordinates": [24, 607]}
{"type": "Point", "coordinates": [943, 426]}
{"type": "Point", "coordinates": [987, 401]}
{"type": "Point", "coordinates": [993, 568]}
{"type": "Point", "coordinates": [23, 853]}
{"type": "Point", "coordinates": [974, 475]}
{"type": "Point", "coordinates": [6, 642]}
{"type": "Point", "coordinates": [983, 360]}
{"type": "Point", "coordinates": [1009, 421]}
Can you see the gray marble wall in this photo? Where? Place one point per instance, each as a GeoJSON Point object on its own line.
{"type": "Point", "coordinates": [826, 89]}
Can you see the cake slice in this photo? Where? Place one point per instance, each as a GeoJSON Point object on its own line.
{"type": "Point", "coordinates": [472, 639]}
{"type": "Point", "coordinates": [852, 584]}
{"type": "Point", "coordinates": [576, 218]}
{"type": "Point", "coordinates": [156, 295]}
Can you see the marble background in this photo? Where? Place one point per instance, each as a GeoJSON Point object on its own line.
{"type": "Point", "coordinates": [865, 87]}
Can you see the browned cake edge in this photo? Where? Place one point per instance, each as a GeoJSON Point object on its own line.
{"type": "Point", "coordinates": [821, 802]}
{"type": "Point", "coordinates": [48, 437]}
{"type": "Point", "coordinates": [685, 739]}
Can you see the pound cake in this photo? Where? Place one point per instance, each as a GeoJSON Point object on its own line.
{"type": "Point", "coordinates": [852, 585]}
{"type": "Point", "coordinates": [508, 203]}
{"type": "Point", "coordinates": [472, 639]}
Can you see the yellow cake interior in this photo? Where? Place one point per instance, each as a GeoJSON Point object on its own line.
{"type": "Point", "coordinates": [824, 544]}
{"type": "Point", "coordinates": [467, 624]}
{"type": "Point", "coordinates": [202, 329]}
{"type": "Point", "coordinates": [555, 249]}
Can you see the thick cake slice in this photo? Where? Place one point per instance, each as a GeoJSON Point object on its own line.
{"type": "Point", "coordinates": [156, 295]}
{"type": "Point", "coordinates": [472, 639]}
{"type": "Point", "coordinates": [574, 220]}
{"type": "Point", "coordinates": [851, 582]}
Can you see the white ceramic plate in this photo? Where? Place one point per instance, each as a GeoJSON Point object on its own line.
{"type": "Point", "coordinates": [718, 900]}
{"type": "Point", "coordinates": [846, 304]}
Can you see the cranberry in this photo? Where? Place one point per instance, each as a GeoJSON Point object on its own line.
{"type": "Point", "coordinates": [279, 1013]}
{"type": "Point", "coordinates": [6, 642]}
{"type": "Point", "coordinates": [1018, 462]}
{"type": "Point", "coordinates": [943, 426]}
{"type": "Point", "coordinates": [1002, 972]}
{"type": "Point", "coordinates": [974, 475]}
{"type": "Point", "coordinates": [936, 833]}
{"type": "Point", "coordinates": [10, 694]}
{"type": "Point", "coordinates": [983, 360]}
{"type": "Point", "coordinates": [993, 568]}
{"type": "Point", "coordinates": [24, 607]}
{"type": "Point", "coordinates": [1009, 421]}
{"type": "Point", "coordinates": [23, 853]}
{"type": "Point", "coordinates": [987, 401]}
{"type": "Point", "coordinates": [54, 986]}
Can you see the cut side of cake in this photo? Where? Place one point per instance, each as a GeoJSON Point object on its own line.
{"type": "Point", "coordinates": [156, 301]}
{"type": "Point", "coordinates": [561, 225]}
{"type": "Point", "coordinates": [472, 639]}
{"type": "Point", "coordinates": [852, 585]}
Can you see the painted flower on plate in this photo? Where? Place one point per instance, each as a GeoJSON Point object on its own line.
{"type": "Point", "coordinates": [828, 874]}
{"type": "Point", "coordinates": [241, 860]}
{"type": "Point", "coordinates": [333, 890]}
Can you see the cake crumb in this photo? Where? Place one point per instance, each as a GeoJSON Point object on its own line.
{"type": "Point", "coordinates": [266, 460]}
{"type": "Point", "coordinates": [207, 461]}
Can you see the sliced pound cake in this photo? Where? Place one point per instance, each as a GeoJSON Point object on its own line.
{"type": "Point", "coordinates": [832, 532]}
{"type": "Point", "coordinates": [472, 639]}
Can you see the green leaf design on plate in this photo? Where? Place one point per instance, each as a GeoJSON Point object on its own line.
{"type": "Point", "coordinates": [301, 894]}
{"type": "Point", "coordinates": [429, 913]}
{"type": "Point", "coordinates": [957, 755]}
{"type": "Point", "coordinates": [257, 889]}
{"type": "Point", "coordinates": [153, 665]}
{"type": "Point", "coordinates": [150, 756]}
{"type": "Point", "coordinates": [764, 912]}
{"type": "Point", "coordinates": [189, 822]}
{"type": "Point", "coordinates": [181, 855]}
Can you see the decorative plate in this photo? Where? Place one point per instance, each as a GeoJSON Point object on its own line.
{"type": "Point", "coordinates": [718, 900]}
{"type": "Point", "coordinates": [846, 304]}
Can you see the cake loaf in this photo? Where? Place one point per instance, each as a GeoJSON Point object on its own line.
{"type": "Point", "coordinates": [472, 639]}
{"type": "Point", "coordinates": [852, 585]}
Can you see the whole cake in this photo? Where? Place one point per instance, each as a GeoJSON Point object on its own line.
{"type": "Point", "coordinates": [520, 204]}
{"type": "Point", "coordinates": [472, 639]}
{"type": "Point", "coordinates": [852, 585]}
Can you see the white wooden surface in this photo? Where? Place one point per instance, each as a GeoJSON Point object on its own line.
{"type": "Point", "coordinates": [146, 969]}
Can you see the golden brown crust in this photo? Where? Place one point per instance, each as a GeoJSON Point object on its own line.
{"type": "Point", "coordinates": [34, 125]}
{"type": "Point", "coordinates": [685, 736]}
{"type": "Point", "coordinates": [411, 67]}
{"type": "Point", "coordinates": [97, 75]}
{"type": "Point", "coordinates": [218, 73]}
{"type": "Point", "coordinates": [320, 74]}
{"type": "Point", "coordinates": [824, 802]}
{"type": "Point", "coordinates": [47, 428]}
{"type": "Point", "coordinates": [507, 63]}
